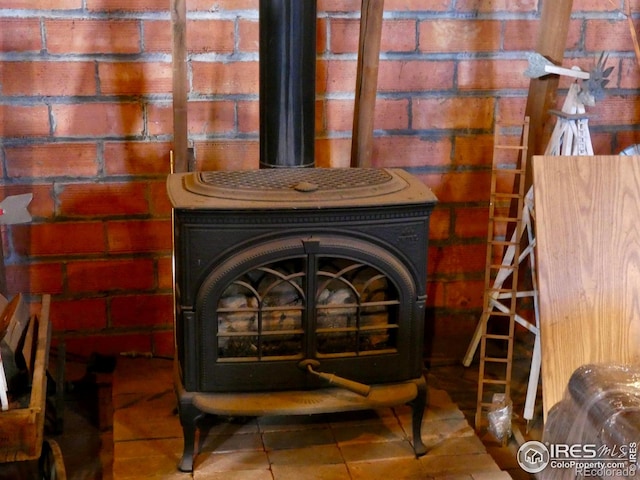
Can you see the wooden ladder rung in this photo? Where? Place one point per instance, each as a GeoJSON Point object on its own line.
{"type": "Point", "coordinates": [492, 381]}
{"type": "Point", "coordinates": [509, 147]}
{"type": "Point", "coordinates": [515, 197]}
{"type": "Point", "coordinates": [495, 336]}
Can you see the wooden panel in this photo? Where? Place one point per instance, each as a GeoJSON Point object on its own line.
{"type": "Point", "coordinates": [588, 244]}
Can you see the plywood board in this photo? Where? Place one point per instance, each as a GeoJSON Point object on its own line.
{"type": "Point", "coordinates": [588, 244]}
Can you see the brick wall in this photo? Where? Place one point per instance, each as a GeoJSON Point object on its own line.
{"type": "Point", "coordinates": [86, 125]}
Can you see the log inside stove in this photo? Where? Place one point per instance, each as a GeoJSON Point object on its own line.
{"type": "Point", "coordinates": [262, 314]}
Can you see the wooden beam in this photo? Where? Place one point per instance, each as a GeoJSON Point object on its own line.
{"type": "Point", "coordinates": [180, 86]}
{"type": "Point", "coordinates": [551, 43]}
{"type": "Point", "coordinates": [366, 82]}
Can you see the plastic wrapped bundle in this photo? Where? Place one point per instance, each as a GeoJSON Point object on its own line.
{"type": "Point", "coordinates": [600, 414]}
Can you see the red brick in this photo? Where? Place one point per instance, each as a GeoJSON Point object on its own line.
{"type": "Point", "coordinates": [322, 35]}
{"type": "Point", "coordinates": [608, 35]}
{"type": "Point", "coordinates": [338, 5]}
{"type": "Point", "coordinates": [473, 150]}
{"type": "Point", "coordinates": [457, 259]}
{"type": "Point", "coordinates": [344, 35]}
{"type": "Point", "coordinates": [465, 186]}
{"type": "Point", "coordinates": [63, 238]}
{"type": "Point", "coordinates": [52, 160]}
{"type": "Point", "coordinates": [92, 36]}
{"type": "Point", "coordinates": [158, 199]}
{"type": "Point", "coordinates": [99, 276]}
{"type": "Point", "coordinates": [389, 115]}
{"type": "Point", "coordinates": [228, 155]}
{"type": "Point", "coordinates": [211, 117]}
{"type": "Point", "coordinates": [34, 278]}
{"type": "Point", "coordinates": [98, 119]}
{"type": "Point", "coordinates": [24, 121]}
{"type": "Point", "coordinates": [103, 199]}
{"type": "Point", "coordinates": [225, 78]}
{"type": "Point", "coordinates": [160, 118]}
{"type": "Point", "coordinates": [137, 158]}
{"type": "Point", "coordinates": [135, 78]}
{"type": "Point", "coordinates": [626, 139]}
{"type": "Point", "coordinates": [163, 343]}
{"type": "Point", "coordinates": [20, 35]}
{"type": "Point", "coordinates": [42, 4]}
{"type": "Point", "coordinates": [333, 152]}
{"type": "Point", "coordinates": [510, 110]}
{"type": "Point", "coordinates": [595, 6]}
{"type": "Point", "coordinates": [48, 78]}
{"type": "Point", "coordinates": [459, 35]}
{"type": "Point", "coordinates": [398, 36]}
{"type": "Point", "coordinates": [141, 310]}
{"type": "Point", "coordinates": [440, 223]}
{"type": "Point", "coordinates": [471, 222]}
{"type": "Point", "coordinates": [85, 344]}
{"type": "Point", "coordinates": [198, 5]}
{"type": "Point", "coordinates": [456, 113]}
{"type": "Point", "coordinates": [496, 6]}
{"type": "Point", "coordinates": [464, 294]}
{"type": "Point", "coordinates": [249, 35]}
{"type": "Point", "coordinates": [165, 273]}
{"type": "Point", "coordinates": [414, 75]}
{"type": "Point", "coordinates": [339, 115]}
{"type": "Point", "coordinates": [410, 151]}
{"type": "Point", "coordinates": [616, 110]}
{"type": "Point", "coordinates": [135, 236]}
{"type": "Point", "coordinates": [127, 5]}
{"type": "Point", "coordinates": [435, 293]}
{"type": "Point", "coordinates": [603, 143]}
{"type": "Point", "coordinates": [629, 70]}
{"type": "Point", "coordinates": [416, 5]}
{"type": "Point", "coordinates": [340, 76]}
{"type": "Point", "coordinates": [79, 314]}
{"type": "Point", "coordinates": [520, 35]}
{"type": "Point", "coordinates": [492, 74]}
{"type": "Point", "coordinates": [211, 36]}
{"type": "Point", "coordinates": [157, 36]}
{"type": "Point", "coordinates": [574, 35]}
{"type": "Point", "coordinates": [248, 117]}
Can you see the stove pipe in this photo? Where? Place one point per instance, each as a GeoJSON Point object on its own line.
{"type": "Point", "coordinates": [287, 83]}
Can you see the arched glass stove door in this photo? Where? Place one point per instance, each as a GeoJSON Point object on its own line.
{"type": "Point", "coordinates": [349, 305]}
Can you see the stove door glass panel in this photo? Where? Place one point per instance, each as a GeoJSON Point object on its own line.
{"type": "Point", "coordinates": [260, 313]}
{"type": "Point", "coordinates": [356, 309]}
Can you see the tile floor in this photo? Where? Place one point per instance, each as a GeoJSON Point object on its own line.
{"type": "Point", "coordinates": [124, 426]}
{"type": "Point", "coordinates": [356, 445]}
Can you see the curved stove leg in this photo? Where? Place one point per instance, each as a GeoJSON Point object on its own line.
{"type": "Point", "coordinates": [189, 416]}
{"type": "Point", "coordinates": [418, 406]}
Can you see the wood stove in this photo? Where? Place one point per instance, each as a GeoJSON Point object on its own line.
{"type": "Point", "coordinates": [299, 291]}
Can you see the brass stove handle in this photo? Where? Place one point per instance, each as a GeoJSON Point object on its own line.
{"type": "Point", "coordinates": [355, 387]}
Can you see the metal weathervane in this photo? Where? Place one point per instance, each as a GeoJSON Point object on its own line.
{"type": "Point", "coordinates": [13, 209]}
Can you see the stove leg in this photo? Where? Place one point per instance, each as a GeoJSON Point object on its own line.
{"type": "Point", "coordinates": [189, 416]}
{"type": "Point", "coordinates": [418, 405]}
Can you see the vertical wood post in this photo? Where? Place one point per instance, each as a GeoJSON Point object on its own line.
{"type": "Point", "coordinates": [551, 43]}
{"type": "Point", "coordinates": [180, 85]}
{"type": "Point", "coordinates": [366, 82]}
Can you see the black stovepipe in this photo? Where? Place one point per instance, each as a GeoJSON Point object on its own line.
{"type": "Point", "coordinates": [287, 83]}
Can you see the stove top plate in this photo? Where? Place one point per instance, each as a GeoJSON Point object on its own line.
{"type": "Point", "coordinates": [295, 188]}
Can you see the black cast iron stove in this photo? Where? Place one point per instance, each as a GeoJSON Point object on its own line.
{"type": "Point", "coordinates": [297, 290]}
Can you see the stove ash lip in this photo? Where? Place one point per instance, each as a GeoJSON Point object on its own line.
{"type": "Point", "coordinates": [307, 189]}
